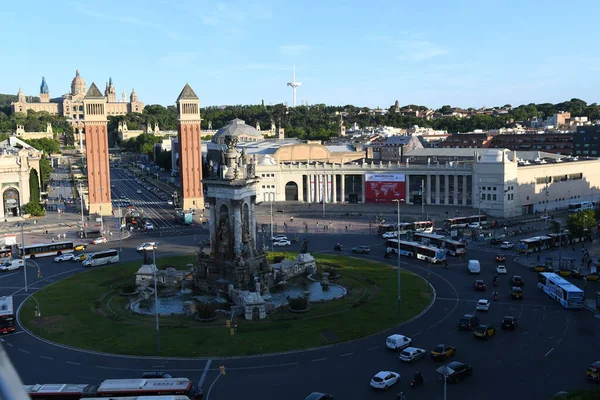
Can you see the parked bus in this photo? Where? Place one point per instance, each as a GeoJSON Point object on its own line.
{"type": "Point", "coordinates": [561, 290]}
{"type": "Point", "coordinates": [7, 315]}
{"type": "Point", "coordinates": [49, 249]}
{"type": "Point", "coordinates": [405, 227]}
{"type": "Point", "coordinates": [453, 247]}
{"type": "Point", "coordinates": [534, 244]}
{"type": "Point", "coordinates": [115, 388]}
{"type": "Point", "coordinates": [463, 222]}
{"type": "Point", "coordinates": [584, 205]}
{"type": "Point", "coordinates": [5, 254]}
{"type": "Point", "coordinates": [101, 258]}
{"type": "Point", "coordinates": [417, 250]}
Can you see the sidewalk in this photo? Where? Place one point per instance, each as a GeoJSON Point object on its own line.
{"type": "Point", "coordinates": [574, 252]}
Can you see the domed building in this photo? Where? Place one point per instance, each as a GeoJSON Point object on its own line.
{"type": "Point", "coordinates": [239, 129]}
{"type": "Point", "coordinates": [70, 105]}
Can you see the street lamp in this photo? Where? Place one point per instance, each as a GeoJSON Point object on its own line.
{"type": "Point", "coordinates": [81, 205]}
{"type": "Point", "coordinates": [398, 258]}
{"type": "Point", "coordinates": [271, 195]}
{"type": "Point", "coordinates": [23, 254]}
{"type": "Point", "coordinates": [101, 219]}
{"type": "Point", "coordinates": [156, 300]}
{"type": "Point", "coordinates": [479, 213]}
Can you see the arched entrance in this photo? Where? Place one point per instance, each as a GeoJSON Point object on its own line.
{"type": "Point", "coordinates": [11, 202]}
{"type": "Point", "coordinates": [291, 191]}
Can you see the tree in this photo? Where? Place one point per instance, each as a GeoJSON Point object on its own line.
{"type": "Point", "coordinates": [555, 227]}
{"type": "Point", "coordinates": [579, 222]}
{"type": "Point", "coordinates": [34, 208]}
{"type": "Point", "coordinates": [45, 171]}
{"type": "Point", "coordinates": [47, 146]}
{"type": "Point", "coordinates": [34, 185]}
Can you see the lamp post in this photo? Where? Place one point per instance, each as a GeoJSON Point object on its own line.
{"type": "Point", "coordinates": [101, 219]}
{"type": "Point", "coordinates": [120, 230]}
{"type": "Point", "coordinates": [398, 258]}
{"type": "Point", "coordinates": [422, 199]}
{"type": "Point", "coordinates": [323, 188]}
{"type": "Point", "coordinates": [479, 212]}
{"type": "Point", "coordinates": [23, 254]}
{"type": "Point", "coordinates": [81, 205]}
{"type": "Point", "coordinates": [271, 195]}
{"type": "Point", "coordinates": [156, 300]}
{"type": "Point", "coordinates": [546, 205]}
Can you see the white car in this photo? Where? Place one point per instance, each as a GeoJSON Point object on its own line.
{"type": "Point", "coordinates": [501, 270]}
{"type": "Point", "coordinates": [281, 243]}
{"type": "Point", "coordinates": [138, 191]}
{"type": "Point", "coordinates": [278, 238]}
{"type": "Point", "coordinates": [398, 342]}
{"type": "Point", "coordinates": [99, 240]}
{"type": "Point", "coordinates": [412, 354]}
{"type": "Point", "coordinates": [390, 235]}
{"type": "Point", "coordinates": [385, 379]}
{"type": "Point", "coordinates": [11, 265]}
{"type": "Point", "coordinates": [474, 225]}
{"type": "Point", "coordinates": [507, 245]}
{"type": "Point", "coordinates": [148, 225]}
{"type": "Point", "coordinates": [65, 257]}
{"type": "Point", "coordinates": [483, 305]}
{"type": "Point", "coordinates": [147, 246]}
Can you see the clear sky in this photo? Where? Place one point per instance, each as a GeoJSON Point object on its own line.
{"type": "Point", "coordinates": [466, 53]}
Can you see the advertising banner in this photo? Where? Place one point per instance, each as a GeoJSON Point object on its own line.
{"type": "Point", "coordinates": [384, 188]}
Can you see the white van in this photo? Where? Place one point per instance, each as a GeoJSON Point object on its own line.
{"type": "Point", "coordinates": [474, 267]}
{"type": "Point", "coordinates": [398, 342]}
{"type": "Point", "coordinates": [12, 265]}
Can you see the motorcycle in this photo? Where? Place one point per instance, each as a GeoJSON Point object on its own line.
{"type": "Point", "coordinates": [337, 247]}
{"type": "Point", "coordinates": [387, 254]}
{"type": "Point", "coordinates": [495, 296]}
{"type": "Point", "coordinates": [495, 283]}
{"type": "Point", "coordinates": [416, 382]}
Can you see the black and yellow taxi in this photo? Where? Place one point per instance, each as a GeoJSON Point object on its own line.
{"type": "Point", "coordinates": [442, 352]}
{"type": "Point", "coordinates": [500, 258]}
{"type": "Point", "coordinates": [79, 247]}
{"type": "Point", "coordinates": [541, 268]}
{"type": "Point", "coordinates": [516, 293]}
{"type": "Point", "coordinates": [509, 322]}
{"type": "Point", "coordinates": [592, 277]}
{"type": "Point", "coordinates": [564, 272]}
{"type": "Point", "coordinates": [484, 331]}
{"type": "Point", "coordinates": [593, 371]}
{"type": "Point", "coordinates": [81, 257]}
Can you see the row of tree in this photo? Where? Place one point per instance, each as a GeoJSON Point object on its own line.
{"type": "Point", "coordinates": [36, 122]}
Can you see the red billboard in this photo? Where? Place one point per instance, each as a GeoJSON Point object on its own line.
{"type": "Point", "coordinates": [384, 188]}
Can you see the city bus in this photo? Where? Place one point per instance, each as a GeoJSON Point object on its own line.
{"type": "Point", "coordinates": [417, 250]}
{"type": "Point", "coordinates": [114, 388]}
{"type": "Point", "coordinates": [561, 290]}
{"type": "Point", "coordinates": [101, 258]}
{"type": "Point", "coordinates": [535, 244]}
{"type": "Point", "coordinates": [48, 249]}
{"type": "Point", "coordinates": [5, 254]}
{"type": "Point", "coordinates": [7, 315]}
{"type": "Point", "coordinates": [584, 205]}
{"type": "Point", "coordinates": [453, 247]}
{"type": "Point", "coordinates": [463, 222]}
{"type": "Point", "coordinates": [405, 227]}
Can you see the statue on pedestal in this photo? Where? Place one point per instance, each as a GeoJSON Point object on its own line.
{"type": "Point", "coordinates": [304, 248]}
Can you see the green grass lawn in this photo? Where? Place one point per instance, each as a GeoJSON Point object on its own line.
{"type": "Point", "coordinates": [70, 316]}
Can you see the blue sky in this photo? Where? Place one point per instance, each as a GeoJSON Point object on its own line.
{"type": "Point", "coordinates": [368, 53]}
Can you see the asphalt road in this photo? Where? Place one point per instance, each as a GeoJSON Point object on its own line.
{"type": "Point", "coordinates": [547, 353]}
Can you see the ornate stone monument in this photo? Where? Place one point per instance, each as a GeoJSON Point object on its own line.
{"type": "Point", "coordinates": [234, 258]}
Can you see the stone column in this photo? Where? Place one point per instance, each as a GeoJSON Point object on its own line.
{"type": "Point", "coordinates": [464, 192]}
{"type": "Point", "coordinates": [407, 190]}
{"type": "Point", "coordinates": [334, 200]}
{"type": "Point", "coordinates": [301, 189]}
{"type": "Point", "coordinates": [455, 194]}
{"type": "Point", "coordinates": [437, 189]}
{"type": "Point", "coordinates": [446, 188]}
{"type": "Point", "coordinates": [363, 188]}
{"type": "Point", "coordinates": [237, 226]}
{"type": "Point", "coordinates": [428, 190]}
{"type": "Point", "coordinates": [310, 188]}
{"type": "Point", "coordinates": [252, 219]}
{"type": "Point", "coordinates": [212, 223]}
{"type": "Point", "coordinates": [343, 189]}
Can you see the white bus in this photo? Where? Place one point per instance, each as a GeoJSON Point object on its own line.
{"type": "Point", "coordinates": [46, 249]}
{"type": "Point", "coordinates": [584, 205]}
{"type": "Point", "coordinates": [561, 290]}
{"type": "Point", "coordinates": [452, 247]}
{"type": "Point", "coordinates": [417, 250]}
{"type": "Point", "coordinates": [101, 258]}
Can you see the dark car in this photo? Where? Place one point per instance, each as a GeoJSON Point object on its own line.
{"type": "Point", "coordinates": [319, 396]}
{"type": "Point", "coordinates": [442, 352]}
{"type": "Point", "coordinates": [155, 375]}
{"type": "Point", "coordinates": [495, 241]}
{"type": "Point", "coordinates": [361, 250]}
{"type": "Point", "coordinates": [468, 322]}
{"type": "Point", "coordinates": [516, 280]}
{"type": "Point", "coordinates": [516, 293]}
{"type": "Point", "coordinates": [479, 285]}
{"type": "Point", "coordinates": [458, 371]}
{"type": "Point", "coordinates": [509, 323]}
{"type": "Point", "coordinates": [500, 258]}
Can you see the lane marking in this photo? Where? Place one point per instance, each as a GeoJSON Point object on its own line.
{"type": "Point", "coordinates": [346, 355]}
{"type": "Point", "coordinates": [10, 344]}
{"type": "Point", "coordinates": [203, 377]}
{"type": "Point", "coordinates": [72, 363]}
{"type": "Point", "coordinates": [319, 359]}
{"type": "Point", "coordinates": [24, 351]}
{"type": "Point", "coordinates": [47, 358]}
{"type": "Point", "coordinates": [9, 275]}
{"type": "Point", "coordinates": [546, 355]}
{"type": "Point", "coordinates": [373, 348]}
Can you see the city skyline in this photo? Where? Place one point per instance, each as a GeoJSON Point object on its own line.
{"type": "Point", "coordinates": [228, 52]}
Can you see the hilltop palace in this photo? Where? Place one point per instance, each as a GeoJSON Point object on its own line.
{"type": "Point", "coordinates": [70, 105]}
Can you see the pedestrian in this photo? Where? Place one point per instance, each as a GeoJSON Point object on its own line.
{"type": "Point", "coordinates": [64, 235]}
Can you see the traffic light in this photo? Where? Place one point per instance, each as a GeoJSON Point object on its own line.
{"type": "Point", "coordinates": [228, 323]}
{"type": "Point", "coordinates": [222, 369]}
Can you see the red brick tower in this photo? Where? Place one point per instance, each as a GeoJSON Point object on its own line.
{"type": "Point", "coordinates": [96, 151]}
{"type": "Point", "coordinates": [190, 149]}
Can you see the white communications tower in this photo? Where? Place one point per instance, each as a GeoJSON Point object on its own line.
{"type": "Point", "coordinates": [293, 84]}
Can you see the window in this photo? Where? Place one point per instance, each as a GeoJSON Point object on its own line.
{"type": "Point", "coordinates": [494, 197]}
{"type": "Point", "coordinates": [489, 197]}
